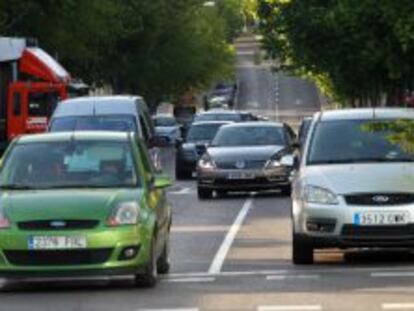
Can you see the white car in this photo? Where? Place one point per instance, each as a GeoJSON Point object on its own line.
{"type": "Point", "coordinates": [166, 126]}
{"type": "Point", "coordinates": [354, 186]}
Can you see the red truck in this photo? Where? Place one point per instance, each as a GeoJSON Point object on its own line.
{"type": "Point", "coordinates": [31, 84]}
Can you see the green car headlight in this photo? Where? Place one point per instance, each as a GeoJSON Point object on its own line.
{"type": "Point", "coordinates": [125, 213]}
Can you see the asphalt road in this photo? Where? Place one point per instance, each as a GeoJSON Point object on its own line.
{"type": "Point", "coordinates": [234, 253]}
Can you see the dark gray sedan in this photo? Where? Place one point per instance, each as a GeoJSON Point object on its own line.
{"type": "Point", "coordinates": [249, 156]}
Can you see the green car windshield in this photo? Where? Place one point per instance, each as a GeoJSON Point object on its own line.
{"type": "Point", "coordinates": [71, 164]}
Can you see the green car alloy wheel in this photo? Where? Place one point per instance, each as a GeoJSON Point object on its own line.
{"type": "Point", "coordinates": [83, 203]}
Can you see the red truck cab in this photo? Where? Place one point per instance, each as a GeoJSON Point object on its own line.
{"type": "Point", "coordinates": [31, 85]}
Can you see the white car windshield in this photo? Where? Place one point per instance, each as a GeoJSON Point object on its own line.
{"type": "Point", "coordinates": [361, 141]}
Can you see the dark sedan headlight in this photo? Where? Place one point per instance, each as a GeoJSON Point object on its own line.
{"type": "Point", "coordinates": [273, 164]}
{"type": "Point", "coordinates": [206, 163]}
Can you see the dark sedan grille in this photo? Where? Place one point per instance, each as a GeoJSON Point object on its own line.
{"type": "Point", "coordinates": [57, 224]}
{"type": "Point", "coordinates": [380, 199]}
{"type": "Point", "coordinates": [58, 257]}
{"type": "Point", "coordinates": [231, 165]}
{"type": "Point", "coordinates": [352, 231]}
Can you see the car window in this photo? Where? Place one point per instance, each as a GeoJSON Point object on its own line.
{"type": "Point", "coordinates": [146, 161]}
{"type": "Point", "coordinates": [121, 123]}
{"type": "Point", "coordinates": [218, 117]}
{"type": "Point", "coordinates": [70, 164]}
{"type": "Point", "coordinates": [164, 121]}
{"type": "Point", "coordinates": [204, 132]}
{"type": "Point", "coordinates": [249, 136]}
{"type": "Point", "coordinates": [359, 141]}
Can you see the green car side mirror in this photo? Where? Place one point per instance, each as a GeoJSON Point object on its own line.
{"type": "Point", "coordinates": [162, 181]}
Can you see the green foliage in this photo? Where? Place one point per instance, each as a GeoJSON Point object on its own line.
{"type": "Point", "coordinates": [357, 49]}
{"type": "Point", "coordinates": [157, 48]}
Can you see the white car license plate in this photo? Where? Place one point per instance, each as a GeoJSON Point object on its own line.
{"type": "Point", "coordinates": [241, 175]}
{"type": "Point", "coordinates": [57, 242]}
{"type": "Point", "coordinates": [381, 218]}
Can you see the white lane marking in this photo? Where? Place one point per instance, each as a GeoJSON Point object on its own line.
{"type": "Point", "coordinates": [293, 277]}
{"type": "Point", "coordinates": [186, 190]}
{"type": "Point", "coordinates": [227, 273]}
{"type": "Point", "coordinates": [179, 309]}
{"type": "Point", "coordinates": [290, 308]}
{"type": "Point", "coordinates": [398, 306]}
{"type": "Point", "coordinates": [190, 280]}
{"type": "Point", "coordinates": [218, 261]}
{"type": "Point", "coordinates": [392, 274]}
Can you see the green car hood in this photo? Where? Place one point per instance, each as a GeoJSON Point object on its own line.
{"type": "Point", "coordinates": [91, 204]}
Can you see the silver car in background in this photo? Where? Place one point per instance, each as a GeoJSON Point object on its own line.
{"type": "Point", "coordinates": [355, 184]}
{"type": "Point", "coordinates": [250, 156]}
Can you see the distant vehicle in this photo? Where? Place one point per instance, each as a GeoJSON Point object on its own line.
{"type": "Point", "coordinates": [77, 204]}
{"type": "Point", "coordinates": [249, 156]}
{"type": "Point", "coordinates": [303, 130]}
{"type": "Point", "coordinates": [218, 103]}
{"type": "Point", "coordinates": [31, 84]}
{"type": "Point", "coordinates": [167, 127]}
{"type": "Point", "coordinates": [225, 115]}
{"type": "Point", "coordinates": [354, 188]}
{"type": "Point", "coordinates": [185, 108]}
{"type": "Point", "coordinates": [108, 113]}
{"type": "Point", "coordinates": [194, 145]}
{"type": "Point", "coordinates": [224, 91]}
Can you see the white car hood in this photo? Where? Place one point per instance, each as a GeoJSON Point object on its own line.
{"type": "Point", "coordinates": [359, 178]}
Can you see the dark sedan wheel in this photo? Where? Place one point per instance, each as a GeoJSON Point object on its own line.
{"type": "Point", "coordinates": [204, 193]}
{"type": "Point", "coordinates": [286, 190]}
{"type": "Point", "coordinates": [150, 276]}
{"type": "Point", "coordinates": [302, 250]}
{"type": "Point", "coordinates": [181, 174]}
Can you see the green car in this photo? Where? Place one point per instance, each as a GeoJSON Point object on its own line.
{"type": "Point", "coordinates": [82, 204]}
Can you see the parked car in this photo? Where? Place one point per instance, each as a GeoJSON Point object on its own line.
{"type": "Point", "coordinates": [250, 156]}
{"type": "Point", "coordinates": [109, 113]}
{"type": "Point", "coordinates": [354, 188]}
{"type": "Point", "coordinates": [225, 115]}
{"type": "Point", "coordinates": [194, 145]}
{"type": "Point", "coordinates": [77, 204]}
{"type": "Point", "coordinates": [224, 91]}
{"type": "Point", "coordinates": [167, 127]}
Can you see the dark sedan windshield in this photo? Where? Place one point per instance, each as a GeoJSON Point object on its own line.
{"type": "Point", "coordinates": [122, 123]}
{"type": "Point", "coordinates": [362, 141]}
{"type": "Point", "coordinates": [71, 164]}
{"type": "Point", "coordinates": [203, 132]}
{"type": "Point", "coordinates": [249, 136]}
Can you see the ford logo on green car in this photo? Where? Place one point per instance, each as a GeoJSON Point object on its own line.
{"type": "Point", "coordinates": [82, 204]}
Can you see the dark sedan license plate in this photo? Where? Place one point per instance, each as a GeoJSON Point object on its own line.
{"type": "Point", "coordinates": [241, 175]}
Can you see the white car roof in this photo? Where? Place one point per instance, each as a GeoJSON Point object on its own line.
{"type": "Point", "coordinates": [367, 113]}
{"type": "Point", "coordinates": [102, 105]}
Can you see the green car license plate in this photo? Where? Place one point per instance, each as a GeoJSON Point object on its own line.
{"type": "Point", "coordinates": [57, 242]}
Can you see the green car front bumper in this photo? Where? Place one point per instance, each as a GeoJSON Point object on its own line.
{"type": "Point", "coordinates": [104, 254]}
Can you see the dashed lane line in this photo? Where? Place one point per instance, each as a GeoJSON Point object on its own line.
{"type": "Point", "coordinates": [397, 274]}
{"type": "Point", "coordinates": [398, 306]}
{"type": "Point", "coordinates": [221, 254]}
{"type": "Point", "coordinates": [290, 308]}
{"type": "Point", "coordinates": [190, 280]}
{"type": "Point", "coordinates": [293, 277]}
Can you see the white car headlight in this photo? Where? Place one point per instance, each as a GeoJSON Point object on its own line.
{"type": "Point", "coordinates": [125, 213]}
{"type": "Point", "coordinates": [206, 163]}
{"type": "Point", "coordinates": [319, 195]}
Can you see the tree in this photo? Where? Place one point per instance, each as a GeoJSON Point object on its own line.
{"type": "Point", "coordinates": [355, 49]}
{"type": "Point", "coordinates": [156, 48]}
